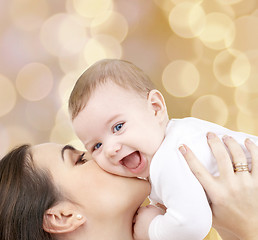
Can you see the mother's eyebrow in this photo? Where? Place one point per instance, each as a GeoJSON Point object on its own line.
{"type": "Point", "coordinates": [69, 147]}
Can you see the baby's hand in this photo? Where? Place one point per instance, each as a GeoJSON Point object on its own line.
{"type": "Point", "coordinates": [143, 219]}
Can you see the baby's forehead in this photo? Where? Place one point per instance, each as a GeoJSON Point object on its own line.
{"type": "Point", "coordinates": [112, 88]}
{"type": "Point", "coordinates": [127, 90]}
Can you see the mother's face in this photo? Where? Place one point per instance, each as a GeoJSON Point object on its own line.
{"type": "Point", "coordinates": [82, 181]}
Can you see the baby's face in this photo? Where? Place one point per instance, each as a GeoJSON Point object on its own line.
{"type": "Point", "coordinates": [120, 129]}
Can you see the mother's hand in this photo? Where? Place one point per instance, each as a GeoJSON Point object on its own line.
{"type": "Point", "coordinates": [233, 194]}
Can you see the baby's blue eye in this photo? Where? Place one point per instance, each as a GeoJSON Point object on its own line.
{"type": "Point", "coordinates": [118, 127]}
{"type": "Point", "coordinates": [98, 145]}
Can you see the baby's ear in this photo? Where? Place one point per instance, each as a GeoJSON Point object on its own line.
{"type": "Point", "coordinates": [62, 218]}
{"type": "Point", "coordinates": [157, 103]}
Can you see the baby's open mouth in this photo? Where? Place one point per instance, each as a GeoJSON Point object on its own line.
{"type": "Point", "coordinates": [132, 161]}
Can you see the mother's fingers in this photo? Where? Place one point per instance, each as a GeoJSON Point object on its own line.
{"type": "Point", "coordinates": [253, 149]}
{"type": "Point", "coordinates": [200, 172]}
{"type": "Point", "coordinates": [238, 156]}
{"type": "Point", "coordinates": [221, 155]}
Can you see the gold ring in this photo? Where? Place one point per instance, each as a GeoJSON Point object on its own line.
{"type": "Point", "coordinates": [241, 167]}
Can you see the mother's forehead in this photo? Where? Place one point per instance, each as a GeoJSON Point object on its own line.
{"type": "Point", "coordinates": [47, 146]}
{"type": "Point", "coordinates": [45, 152]}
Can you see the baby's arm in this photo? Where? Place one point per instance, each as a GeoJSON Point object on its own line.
{"type": "Point", "coordinates": [143, 218]}
{"type": "Point", "coordinates": [168, 227]}
{"type": "Point", "coordinates": [188, 214]}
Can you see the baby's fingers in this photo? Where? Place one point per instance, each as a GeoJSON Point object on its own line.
{"type": "Point", "coordinates": [200, 172]}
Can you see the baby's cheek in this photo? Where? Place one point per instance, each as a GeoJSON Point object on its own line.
{"type": "Point", "coordinates": [156, 145]}
{"type": "Point", "coordinates": [107, 166]}
{"type": "Point", "coordinates": [100, 163]}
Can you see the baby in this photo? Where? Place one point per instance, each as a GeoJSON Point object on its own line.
{"type": "Point", "coordinates": [123, 122]}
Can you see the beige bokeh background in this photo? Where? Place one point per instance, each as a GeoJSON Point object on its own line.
{"type": "Point", "coordinates": [203, 56]}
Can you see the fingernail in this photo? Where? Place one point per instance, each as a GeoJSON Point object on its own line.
{"type": "Point", "coordinates": [182, 149]}
{"type": "Point", "coordinates": [210, 135]}
{"type": "Point", "coordinates": [248, 141]}
{"type": "Point", "coordinates": [225, 137]}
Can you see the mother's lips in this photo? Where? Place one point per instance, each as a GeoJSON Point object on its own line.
{"type": "Point", "coordinates": [132, 160]}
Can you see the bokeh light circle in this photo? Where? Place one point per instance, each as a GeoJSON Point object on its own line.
{"type": "Point", "coordinates": [34, 81]}
{"type": "Point", "coordinates": [231, 68]}
{"type": "Point", "coordinates": [211, 108]}
{"type": "Point", "coordinates": [75, 63]}
{"type": "Point", "coordinates": [247, 123]}
{"type": "Point", "coordinates": [92, 8]}
{"type": "Point", "coordinates": [181, 1]}
{"type": "Point", "coordinates": [62, 114]}
{"type": "Point", "coordinates": [71, 10]}
{"type": "Point", "coordinates": [164, 5]}
{"type": "Point", "coordinates": [7, 96]}
{"type": "Point", "coordinates": [66, 86]}
{"type": "Point", "coordinates": [187, 19]}
{"type": "Point", "coordinates": [62, 132]}
{"type": "Point", "coordinates": [219, 31]}
{"type": "Point", "coordinates": [102, 46]}
{"type": "Point", "coordinates": [251, 84]}
{"type": "Point", "coordinates": [63, 34]}
{"type": "Point", "coordinates": [246, 101]}
{"type": "Point", "coordinates": [115, 25]}
{"type": "Point", "coordinates": [180, 78]}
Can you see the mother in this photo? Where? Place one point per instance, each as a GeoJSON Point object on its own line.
{"type": "Point", "coordinates": [59, 188]}
{"type": "Point", "coordinates": [50, 191]}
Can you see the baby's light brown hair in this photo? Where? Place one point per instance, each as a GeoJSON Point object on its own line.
{"type": "Point", "coordinates": [120, 72]}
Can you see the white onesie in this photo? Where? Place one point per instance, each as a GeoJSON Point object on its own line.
{"type": "Point", "coordinates": [188, 215]}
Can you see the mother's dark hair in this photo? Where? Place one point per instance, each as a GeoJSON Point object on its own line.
{"type": "Point", "coordinates": [25, 194]}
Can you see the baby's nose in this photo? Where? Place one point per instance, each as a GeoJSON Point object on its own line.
{"type": "Point", "coordinates": [113, 149]}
